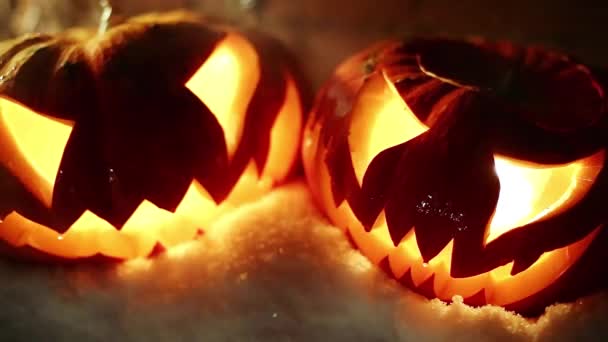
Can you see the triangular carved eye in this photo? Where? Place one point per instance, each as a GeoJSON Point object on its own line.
{"type": "Point", "coordinates": [380, 120]}
{"type": "Point", "coordinates": [226, 83]}
{"type": "Point", "coordinates": [33, 145]}
{"type": "Point", "coordinates": [532, 192]}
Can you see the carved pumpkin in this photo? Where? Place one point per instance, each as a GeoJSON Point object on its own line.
{"type": "Point", "coordinates": [112, 143]}
{"type": "Point", "coordinates": [471, 169]}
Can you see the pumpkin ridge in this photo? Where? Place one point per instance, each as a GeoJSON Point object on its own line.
{"type": "Point", "coordinates": [15, 47]}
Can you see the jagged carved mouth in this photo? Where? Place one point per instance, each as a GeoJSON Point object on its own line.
{"type": "Point", "coordinates": [33, 157]}
{"type": "Point", "coordinates": [529, 193]}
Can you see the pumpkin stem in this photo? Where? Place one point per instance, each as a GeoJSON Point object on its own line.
{"type": "Point", "coordinates": [106, 13]}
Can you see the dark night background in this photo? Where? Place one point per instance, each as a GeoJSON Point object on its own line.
{"type": "Point", "coordinates": [323, 32]}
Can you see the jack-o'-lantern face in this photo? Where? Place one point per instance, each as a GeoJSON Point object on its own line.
{"type": "Point", "coordinates": [140, 136]}
{"type": "Point", "coordinates": [467, 168]}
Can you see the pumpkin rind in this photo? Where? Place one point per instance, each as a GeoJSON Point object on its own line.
{"type": "Point", "coordinates": [476, 98]}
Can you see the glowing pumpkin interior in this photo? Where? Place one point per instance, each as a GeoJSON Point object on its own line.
{"type": "Point", "coordinates": [33, 146]}
{"type": "Point", "coordinates": [529, 192]}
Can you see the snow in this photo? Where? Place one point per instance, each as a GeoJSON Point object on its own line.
{"type": "Point", "coordinates": [271, 270]}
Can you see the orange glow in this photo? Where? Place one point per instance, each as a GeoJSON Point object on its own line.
{"type": "Point", "coordinates": [33, 146]}
{"type": "Point", "coordinates": [226, 82]}
{"type": "Point", "coordinates": [529, 193]}
{"type": "Point", "coordinates": [381, 119]}
{"type": "Point", "coordinates": [500, 287]}
{"type": "Point", "coordinates": [285, 135]}
{"type": "Point", "coordinates": [91, 235]}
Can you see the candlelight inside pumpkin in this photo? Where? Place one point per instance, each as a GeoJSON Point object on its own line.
{"type": "Point", "coordinates": [33, 147]}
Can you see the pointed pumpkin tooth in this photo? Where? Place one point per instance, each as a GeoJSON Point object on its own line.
{"type": "Point", "coordinates": [400, 260]}
{"type": "Point", "coordinates": [147, 218]}
{"type": "Point", "coordinates": [400, 220]}
{"type": "Point", "coordinates": [406, 279]}
{"type": "Point", "coordinates": [385, 265]}
{"type": "Point", "coordinates": [431, 245]}
{"type": "Point", "coordinates": [440, 265]}
{"type": "Point", "coordinates": [477, 299]}
{"type": "Point", "coordinates": [441, 280]}
{"type": "Point", "coordinates": [427, 287]}
{"type": "Point", "coordinates": [501, 273]}
{"type": "Point", "coordinates": [421, 273]}
{"type": "Point", "coordinates": [115, 244]}
{"type": "Point", "coordinates": [522, 263]}
{"type": "Point", "coordinates": [84, 235]}
{"type": "Point", "coordinates": [376, 188]}
{"type": "Point", "coordinates": [15, 232]}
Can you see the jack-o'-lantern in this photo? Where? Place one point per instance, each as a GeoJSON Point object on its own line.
{"type": "Point", "coordinates": [467, 168]}
{"type": "Point", "coordinates": [115, 142]}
